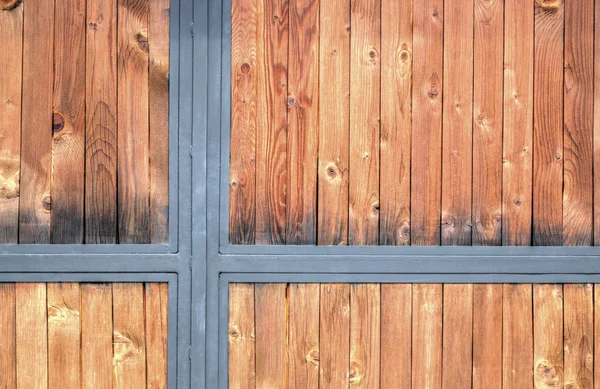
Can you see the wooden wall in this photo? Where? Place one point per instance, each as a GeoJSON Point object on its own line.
{"type": "Point", "coordinates": [365, 122]}
{"type": "Point", "coordinates": [90, 336]}
{"type": "Point", "coordinates": [84, 121]}
{"type": "Point", "coordinates": [421, 336]}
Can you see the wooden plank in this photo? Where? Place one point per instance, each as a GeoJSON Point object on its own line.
{"type": "Point", "coordinates": [365, 103]}
{"type": "Point", "coordinates": [31, 336]}
{"type": "Point", "coordinates": [101, 122]}
{"type": "Point", "coordinates": [596, 355]}
{"type": "Point", "coordinates": [334, 336]}
{"type": "Point", "coordinates": [303, 336]}
{"type": "Point", "coordinates": [488, 58]}
{"type": "Point", "coordinates": [396, 121]}
{"type": "Point", "coordinates": [270, 310]}
{"type": "Point", "coordinates": [68, 160]}
{"type": "Point", "coordinates": [548, 336]}
{"type": "Point", "coordinates": [96, 336]}
{"type": "Point", "coordinates": [133, 122]}
{"type": "Point", "coordinates": [596, 156]}
{"type": "Point", "coordinates": [578, 123]}
{"type": "Point", "coordinates": [36, 126]}
{"type": "Point", "coordinates": [365, 341]}
{"type": "Point", "coordinates": [517, 159]}
{"type": "Point", "coordinates": [129, 338]}
{"type": "Point", "coordinates": [158, 101]}
{"type": "Point", "coordinates": [271, 114]}
{"type": "Point", "coordinates": [241, 336]}
{"type": "Point", "coordinates": [457, 142]}
{"type": "Point", "coordinates": [458, 336]}
{"type": "Point", "coordinates": [396, 328]}
{"type": "Point", "coordinates": [334, 122]}
{"type": "Point", "coordinates": [64, 335]}
{"type": "Point", "coordinates": [517, 336]}
{"type": "Point", "coordinates": [548, 124]}
{"type": "Point", "coordinates": [8, 357]}
{"type": "Point", "coordinates": [157, 339]}
{"type": "Point", "coordinates": [579, 336]}
{"type": "Point", "coordinates": [244, 73]}
{"type": "Point", "coordinates": [11, 63]}
{"type": "Point", "coordinates": [426, 163]}
{"type": "Point", "coordinates": [487, 336]}
{"type": "Point", "coordinates": [303, 121]}
{"type": "Point", "coordinates": [427, 336]}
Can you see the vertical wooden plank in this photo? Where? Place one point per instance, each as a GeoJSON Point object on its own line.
{"type": "Point", "coordinates": [101, 122]}
{"type": "Point", "coordinates": [548, 124]}
{"type": "Point", "coordinates": [596, 155]}
{"type": "Point", "coordinates": [242, 174]}
{"type": "Point", "coordinates": [334, 122]}
{"type": "Point", "coordinates": [157, 321]}
{"type": "Point", "coordinates": [518, 123]}
{"type": "Point", "coordinates": [8, 358]}
{"type": "Point", "coordinates": [36, 123]}
{"type": "Point", "coordinates": [11, 63]}
{"type": "Point", "coordinates": [303, 116]}
{"type": "Point", "coordinates": [158, 101]}
{"type": "Point", "coordinates": [68, 164]}
{"type": "Point", "coordinates": [457, 142]}
{"type": "Point", "coordinates": [96, 336]}
{"type": "Point", "coordinates": [365, 330]}
{"type": "Point", "coordinates": [270, 310]}
{"type": "Point", "coordinates": [488, 58]}
{"type": "Point", "coordinates": [334, 336]}
{"type": "Point", "coordinates": [133, 122]}
{"type": "Point", "coordinates": [597, 333]}
{"type": "Point", "coordinates": [396, 328]}
{"type": "Point", "coordinates": [271, 115]}
{"type": "Point", "coordinates": [487, 336]}
{"type": "Point", "coordinates": [32, 336]}
{"type": "Point", "coordinates": [64, 334]}
{"type": "Point", "coordinates": [396, 121]}
{"type": "Point", "coordinates": [578, 123]}
{"type": "Point", "coordinates": [517, 336]}
{"type": "Point", "coordinates": [241, 336]}
{"type": "Point", "coordinates": [426, 163]}
{"type": "Point", "coordinates": [458, 336]}
{"type": "Point", "coordinates": [129, 338]}
{"type": "Point", "coordinates": [579, 336]}
{"type": "Point", "coordinates": [548, 336]}
{"type": "Point", "coordinates": [365, 99]}
{"type": "Point", "coordinates": [303, 336]}
{"type": "Point", "coordinates": [427, 336]}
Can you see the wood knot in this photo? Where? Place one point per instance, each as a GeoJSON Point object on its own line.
{"type": "Point", "coordinates": [234, 334]}
{"type": "Point", "coordinates": [433, 92]}
{"type": "Point", "coordinates": [142, 42]}
{"type": "Point", "coordinates": [47, 203]}
{"type": "Point", "coordinates": [291, 102]}
{"type": "Point", "coordinates": [549, 5]}
{"type": "Point", "coordinates": [404, 56]}
{"type": "Point", "coordinates": [355, 375]}
{"type": "Point", "coordinates": [234, 184]}
{"type": "Point", "coordinates": [557, 156]}
{"type": "Point", "coordinates": [7, 5]}
{"type": "Point", "coordinates": [245, 68]}
{"type": "Point", "coordinates": [58, 122]}
{"type": "Point", "coordinates": [435, 14]}
{"type": "Point", "coordinates": [125, 348]}
{"type": "Point", "coordinates": [333, 172]}
{"type": "Point", "coordinates": [373, 56]}
{"type": "Point", "coordinates": [93, 26]}
{"type": "Point", "coordinates": [546, 375]}
{"type": "Point", "coordinates": [517, 202]}
{"type": "Point", "coordinates": [9, 176]}
{"type": "Point", "coordinates": [313, 356]}
{"type": "Point", "coordinates": [448, 221]}
{"type": "Point", "coordinates": [375, 208]}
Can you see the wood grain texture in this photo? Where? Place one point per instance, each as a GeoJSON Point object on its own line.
{"type": "Point", "coordinates": [548, 124]}
{"type": "Point", "coordinates": [548, 336]}
{"type": "Point", "coordinates": [396, 335]}
{"type": "Point", "coordinates": [8, 356]}
{"type": "Point", "coordinates": [396, 121]}
{"type": "Point", "coordinates": [517, 336]}
{"type": "Point", "coordinates": [241, 336]}
{"type": "Point", "coordinates": [303, 336]}
{"type": "Point", "coordinates": [365, 331]}
{"type": "Point", "coordinates": [578, 123]}
{"type": "Point", "coordinates": [427, 336]}
{"type": "Point", "coordinates": [334, 122]}
{"type": "Point", "coordinates": [271, 111]}
{"type": "Point", "coordinates": [11, 63]}
{"type": "Point", "coordinates": [457, 140]}
{"type": "Point", "coordinates": [133, 122]}
{"type": "Point", "coordinates": [426, 163]}
{"type": "Point", "coordinates": [596, 122]}
{"type": "Point", "coordinates": [458, 336]}
{"type": "Point", "coordinates": [517, 160]}
{"type": "Point", "coordinates": [35, 202]}
{"type": "Point", "coordinates": [31, 336]}
{"type": "Point", "coordinates": [579, 335]}
{"type": "Point", "coordinates": [303, 122]}
{"type": "Point", "coordinates": [68, 151]}
{"type": "Point", "coordinates": [334, 336]}
{"type": "Point", "coordinates": [157, 334]}
{"type": "Point", "coordinates": [64, 335]}
{"type": "Point", "coordinates": [158, 101]}
{"type": "Point", "coordinates": [244, 77]}
{"type": "Point", "coordinates": [488, 59]}
{"type": "Point", "coordinates": [596, 335]}
{"type": "Point", "coordinates": [487, 336]}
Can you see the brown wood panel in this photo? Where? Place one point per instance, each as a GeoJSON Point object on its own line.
{"type": "Point", "coordinates": [596, 131]}
{"type": "Point", "coordinates": [458, 336]}
{"type": "Point", "coordinates": [396, 335]}
{"type": "Point", "coordinates": [157, 335]}
{"type": "Point", "coordinates": [303, 335]}
{"type": "Point", "coordinates": [487, 336]}
{"type": "Point", "coordinates": [334, 336]}
{"type": "Point", "coordinates": [579, 335]}
{"type": "Point", "coordinates": [8, 356]}
{"type": "Point", "coordinates": [396, 121]}
{"type": "Point", "coordinates": [241, 336]}
{"type": "Point", "coordinates": [517, 336]}
{"type": "Point", "coordinates": [427, 336]}
{"type": "Point", "coordinates": [548, 336]}
{"type": "Point", "coordinates": [365, 331]}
